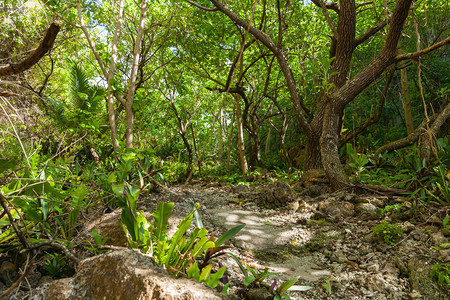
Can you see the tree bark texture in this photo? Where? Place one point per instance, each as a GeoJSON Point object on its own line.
{"type": "Point", "coordinates": [111, 71]}
{"type": "Point", "coordinates": [45, 46]}
{"type": "Point", "coordinates": [132, 83]}
{"type": "Point", "coordinates": [240, 136]}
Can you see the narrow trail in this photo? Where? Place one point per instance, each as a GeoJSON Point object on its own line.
{"type": "Point", "coordinates": [328, 241]}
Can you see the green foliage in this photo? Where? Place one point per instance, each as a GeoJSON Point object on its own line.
{"type": "Point", "coordinates": [397, 208]}
{"type": "Point", "coordinates": [47, 195]}
{"type": "Point", "coordinates": [441, 273]}
{"type": "Point", "coordinates": [256, 278]}
{"type": "Point", "coordinates": [56, 265]}
{"type": "Point", "coordinates": [357, 161]}
{"type": "Point", "coordinates": [178, 254]}
{"type": "Point", "coordinates": [390, 233]}
{"type": "Point", "coordinates": [205, 276]}
{"type": "Point", "coordinates": [98, 242]}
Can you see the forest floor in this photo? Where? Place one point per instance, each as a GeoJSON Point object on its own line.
{"type": "Point", "coordinates": [326, 239]}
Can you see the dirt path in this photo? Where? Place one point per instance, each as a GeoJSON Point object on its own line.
{"type": "Point", "coordinates": [328, 242]}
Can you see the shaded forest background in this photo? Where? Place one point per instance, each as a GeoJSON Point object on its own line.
{"type": "Point", "coordinates": [154, 93]}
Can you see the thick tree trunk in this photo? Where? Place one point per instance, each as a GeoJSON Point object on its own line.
{"type": "Point", "coordinates": [329, 147]}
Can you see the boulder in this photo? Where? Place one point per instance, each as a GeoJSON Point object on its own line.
{"type": "Point", "coordinates": [279, 195]}
{"type": "Point", "coordinates": [336, 210]}
{"type": "Point", "coordinates": [108, 226]}
{"type": "Point", "coordinates": [421, 281]}
{"type": "Point", "coordinates": [126, 274]}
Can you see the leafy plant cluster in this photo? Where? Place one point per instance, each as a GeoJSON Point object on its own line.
{"type": "Point", "coordinates": [390, 233]}
{"type": "Point", "coordinates": [441, 273]}
{"type": "Point", "coordinates": [187, 254]}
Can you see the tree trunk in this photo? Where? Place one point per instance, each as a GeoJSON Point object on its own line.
{"type": "Point", "coordinates": [112, 68]}
{"type": "Point", "coordinates": [329, 147]}
{"type": "Point", "coordinates": [405, 98]}
{"type": "Point", "coordinates": [240, 144]}
{"type": "Point", "coordinates": [132, 84]}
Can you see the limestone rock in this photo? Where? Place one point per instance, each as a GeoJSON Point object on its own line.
{"type": "Point", "coordinates": [279, 195]}
{"type": "Point", "coordinates": [333, 209]}
{"type": "Point", "coordinates": [421, 281]}
{"type": "Point", "coordinates": [125, 274]}
{"type": "Point", "coordinates": [109, 226]}
{"type": "Point", "coordinates": [367, 209]}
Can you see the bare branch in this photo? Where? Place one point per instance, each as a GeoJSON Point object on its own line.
{"type": "Point", "coordinates": [200, 6]}
{"type": "Point", "coordinates": [417, 54]}
{"type": "Point", "coordinates": [44, 47]}
{"type": "Point", "coordinates": [324, 8]}
{"type": "Point", "coordinates": [371, 32]}
{"type": "Point", "coordinates": [282, 61]}
{"type": "Point", "coordinates": [329, 5]}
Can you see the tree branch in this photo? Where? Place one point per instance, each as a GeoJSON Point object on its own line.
{"type": "Point", "coordinates": [200, 6]}
{"type": "Point", "coordinates": [324, 8]}
{"type": "Point", "coordinates": [424, 51]}
{"type": "Point", "coordinates": [371, 32]}
{"type": "Point", "coordinates": [44, 47]}
{"type": "Point", "coordinates": [282, 61]}
{"type": "Point", "coordinates": [25, 243]}
{"type": "Point", "coordinates": [375, 118]}
{"type": "Point", "coordinates": [329, 5]}
{"type": "Point", "coordinates": [437, 121]}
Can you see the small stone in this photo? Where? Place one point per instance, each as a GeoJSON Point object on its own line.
{"type": "Point", "coordinates": [8, 272]}
{"type": "Point", "coordinates": [334, 209]}
{"type": "Point", "coordinates": [407, 227]}
{"type": "Point", "coordinates": [373, 268]}
{"type": "Point", "coordinates": [438, 239]}
{"type": "Point", "coordinates": [366, 209]}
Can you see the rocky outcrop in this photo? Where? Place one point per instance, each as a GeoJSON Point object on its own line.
{"type": "Point", "coordinates": [125, 274]}
{"type": "Point", "coordinates": [279, 195]}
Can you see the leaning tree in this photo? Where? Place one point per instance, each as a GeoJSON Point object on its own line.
{"type": "Point", "coordinates": [323, 129]}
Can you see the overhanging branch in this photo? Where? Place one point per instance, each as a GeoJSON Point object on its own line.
{"type": "Point", "coordinates": [45, 46]}
{"type": "Point", "coordinates": [424, 51]}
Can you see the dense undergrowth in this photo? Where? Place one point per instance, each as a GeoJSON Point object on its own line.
{"type": "Point", "coordinates": [43, 197]}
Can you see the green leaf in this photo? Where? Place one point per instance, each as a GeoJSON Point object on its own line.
{"type": "Point", "coordinates": [161, 215]}
{"type": "Point", "coordinates": [225, 288]}
{"type": "Point", "coordinates": [175, 240]}
{"type": "Point", "coordinates": [31, 213]}
{"type": "Point", "coordinates": [285, 286]}
{"type": "Point", "coordinates": [118, 189]}
{"type": "Point", "coordinates": [193, 271]}
{"type": "Point", "coordinates": [228, 235]}
{"type": "Point", "coordinates": [7, 164]}
{"type": "Point", "coordinates": [248, 280]}
{"type": "Point", "coordinates": [244, 271]}
{"type": "Point", "coordinates": [214, 279]}
{"type": "Point", "coordinates": [197, 218]}
{"type": "Point", "coordinates": [300, 288]}
{"type": "Point", "coordinates": [112, 177]}
{"type": "Point", "coordinates": [205, 273]}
